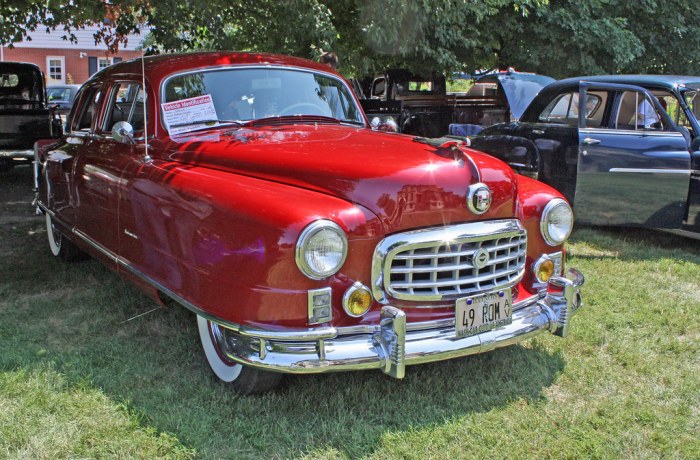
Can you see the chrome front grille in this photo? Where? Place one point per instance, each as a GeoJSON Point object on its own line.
{"type": "Point", "coordinates": [438, 263]}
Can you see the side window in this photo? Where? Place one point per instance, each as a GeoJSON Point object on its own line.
{"type": "Point", "coordinates": [636, 112]}
{"type": "Point", "coordinates": [87, 110]}
{"type": "Point", "coordinates": [564, 109]}
{"type": "Point", "coordinates": [126, 104]}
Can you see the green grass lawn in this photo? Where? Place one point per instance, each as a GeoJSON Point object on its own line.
{"type": "Point", "coordinates": [79, 379]}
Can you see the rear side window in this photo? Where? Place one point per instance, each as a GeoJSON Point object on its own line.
{"type": "Point", "coordinates": [126, 104]}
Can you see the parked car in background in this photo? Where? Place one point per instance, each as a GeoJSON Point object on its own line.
{"type": "Point", "coordinates": [429, 107]}
{"type": "Point", "coordinates": [24, 116]}
{"type": "Point", "coordinates": [62, 96]}
{"type": "Point", "coordinates": [495, 97]}
{"type": "Point", "coordinates": [250, 189]}
{"type": "Point", "coordinates": [625, 150]}
{"type": "Point", "coordinates": [411, 104]}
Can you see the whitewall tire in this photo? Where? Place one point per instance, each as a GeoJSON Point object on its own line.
{"type": "Point", "coordinates": [244, 379]}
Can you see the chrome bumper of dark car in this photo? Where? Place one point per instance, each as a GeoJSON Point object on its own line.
{"type": "Point", "coordinates": [17, 154]}
{"type": "Point", "coordinates": [394, 344]}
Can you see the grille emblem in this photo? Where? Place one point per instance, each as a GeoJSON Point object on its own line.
{"type": "Point", "coordinates": [479, 198]}
{"type": "Point", "coordinates": [481, 258]}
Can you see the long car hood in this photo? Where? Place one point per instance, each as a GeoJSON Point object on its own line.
{"type": "Point", "coordinates": [407, 184]}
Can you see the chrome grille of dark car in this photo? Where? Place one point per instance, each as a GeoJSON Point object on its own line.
{"type": "Point", "coordinates": [429, 266]}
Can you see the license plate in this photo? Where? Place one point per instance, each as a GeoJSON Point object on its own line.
{"type": "Point", "coordinates": [483, 312]}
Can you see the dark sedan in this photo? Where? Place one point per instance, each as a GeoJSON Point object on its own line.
{"type": "Point", "coordinates": [625, 150]}
{"type": "Point", "coordinates": [62, 96]}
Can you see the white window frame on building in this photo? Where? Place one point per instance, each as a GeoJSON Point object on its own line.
{"type": "Point", "coordinates": [51, 72]}
{"type": "Point", "coordinates": [104, 62]}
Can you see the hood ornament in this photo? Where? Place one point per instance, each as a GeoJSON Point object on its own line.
{"type": "Point", "coordinates": [479, 198]}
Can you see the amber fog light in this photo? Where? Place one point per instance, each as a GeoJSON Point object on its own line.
{"type": "Point", "coordinates": [357, 300]}
{"type": "Point", "coordinates": [544, 270]}
{"type": "Point", "coordinates": [547, 266]}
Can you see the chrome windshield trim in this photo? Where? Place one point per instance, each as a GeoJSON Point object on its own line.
{"type": "Point", "coordinates": [219, 68]}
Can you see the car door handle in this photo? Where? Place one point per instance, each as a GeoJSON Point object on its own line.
{"type": "Point", "coordinates": [590, 141]}
{"type": "Point", "coordinates": [537, 131]}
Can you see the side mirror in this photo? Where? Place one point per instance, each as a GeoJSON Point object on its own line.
{"type": "Point", "coordinates": [123, 132]}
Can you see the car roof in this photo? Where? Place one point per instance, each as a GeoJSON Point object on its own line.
{"type": "Point", "coordinates": [664, 81]}
{"type": "Point", "coordinates": [160, 66]}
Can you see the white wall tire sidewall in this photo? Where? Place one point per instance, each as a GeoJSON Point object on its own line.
{"type": "Point", "coordinates": [222, 369]}
{"type": "Point", "coordinates": [54, 245]}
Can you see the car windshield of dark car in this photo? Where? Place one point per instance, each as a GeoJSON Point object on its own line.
{"type": "Point", "coordinates": [59, 94]}
{"type": "Point", "coordinates": [244, 95]}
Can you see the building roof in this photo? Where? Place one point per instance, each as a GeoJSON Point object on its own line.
{"type": "Point", "coordinates": [85, 37]}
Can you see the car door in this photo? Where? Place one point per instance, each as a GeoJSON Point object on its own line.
{"type": "Point", "coordinates": [97, 181]}
{"type": "Point", "coordinates": [630, 171]}
{"type": "Point", "coordinates": [63, 197]}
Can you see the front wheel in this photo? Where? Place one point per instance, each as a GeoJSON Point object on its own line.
{"type": "Point", "coordinates": [244, 380]}
{"type": "Point", "coordinates": [60, 246]}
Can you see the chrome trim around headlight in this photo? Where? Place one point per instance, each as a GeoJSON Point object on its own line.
{"type": "Point", "coordinates": [544, 221]}
{"type": "Point", "coordinates": [306, 234]}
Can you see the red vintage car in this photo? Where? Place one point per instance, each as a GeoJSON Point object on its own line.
{"type": "Point", "coordinates": [250, 189]}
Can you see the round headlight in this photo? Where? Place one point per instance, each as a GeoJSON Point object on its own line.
{"type": "Point", "coordinates": [321, 249]}
{"type": "Point", "coordinates": [557, 222]}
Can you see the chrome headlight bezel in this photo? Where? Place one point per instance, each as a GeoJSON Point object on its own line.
{"type": "Point", "coordinates": [553, 206]}
{"type": "Point", "coordinates": [305, 238]}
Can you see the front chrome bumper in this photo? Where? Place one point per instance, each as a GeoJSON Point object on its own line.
{"type": "Point", "coordinates": [394, 344]}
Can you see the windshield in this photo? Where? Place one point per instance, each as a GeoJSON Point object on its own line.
{"type": "Point", "coordinates": [59, 94]}
{"type": "Point", "coordinates": [252, 94]}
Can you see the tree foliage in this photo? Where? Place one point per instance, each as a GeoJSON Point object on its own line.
{"type": "Point", "coordinates": [555, 37]}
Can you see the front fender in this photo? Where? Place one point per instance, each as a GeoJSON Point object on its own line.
{"type": "Point", "coordinates": [226, 242]}
{"type": "Point", "coordinates": [533, 196]}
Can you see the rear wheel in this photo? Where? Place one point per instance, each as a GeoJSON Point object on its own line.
{"type": "Point", "coordinates": [244, 380]}
{"type": "Point", "coordinates": [59, 245]}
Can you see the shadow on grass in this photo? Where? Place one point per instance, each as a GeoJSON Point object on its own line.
{"type": "Point", "coordinates": [82, 320]}
{"type": "Point", "coordinates": [631, 244]}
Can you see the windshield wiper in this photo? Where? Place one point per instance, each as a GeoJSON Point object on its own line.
{"type": "Point", "coordinates": [298, 119]}
{"type": "Point", "coordinates": [211, 123]}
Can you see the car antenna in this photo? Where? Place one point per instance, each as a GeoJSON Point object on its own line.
{"type": "Point", "coordinates": [147, 158]}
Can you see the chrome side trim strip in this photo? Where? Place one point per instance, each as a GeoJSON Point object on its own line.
{"type": "Point", "coordinates": [627, 132]}
{"type": "Point", "coordinates": [685, 172]}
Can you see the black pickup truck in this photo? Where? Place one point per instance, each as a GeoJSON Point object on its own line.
{"type": "Point", "coordinates": [24, 115]}
{"type": "Point", "coordinates": [425, 106]}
